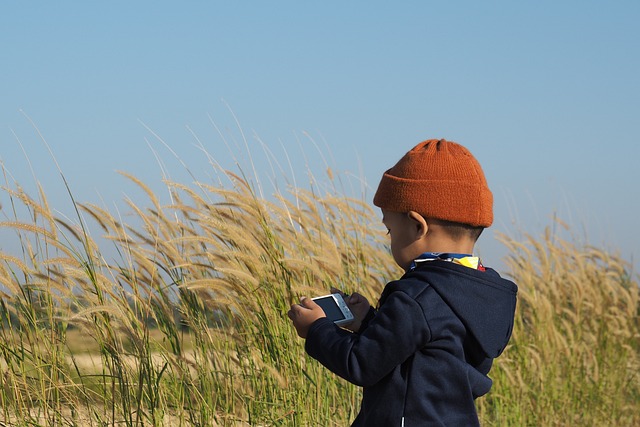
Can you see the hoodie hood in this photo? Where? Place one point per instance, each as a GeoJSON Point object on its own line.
{"type": "Point", "coordinates": [483, 301]}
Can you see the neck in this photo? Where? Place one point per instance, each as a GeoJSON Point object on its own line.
{"type": "Point", "coordinates": [450, 247]}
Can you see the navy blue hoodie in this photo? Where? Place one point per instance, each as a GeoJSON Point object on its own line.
{"type": "Point", "coordinates": [425, 355]}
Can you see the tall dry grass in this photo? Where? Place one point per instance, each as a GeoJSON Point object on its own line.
{"type": "Point", "coordinates": [214, 272]}
{"type": "Point", "coordinates": [574, 359]}
{"type": "Point", "coordinates": [187, 324]}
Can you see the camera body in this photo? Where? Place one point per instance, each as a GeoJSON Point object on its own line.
{"type": "Point", "coordinates": [335, 308]}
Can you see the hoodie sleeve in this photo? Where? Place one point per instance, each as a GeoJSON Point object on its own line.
{"type": "Point", "coordinates": [397, 331]}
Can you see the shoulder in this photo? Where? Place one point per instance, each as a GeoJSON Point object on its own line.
{"type": "Point", "coordinates": [411, 285]}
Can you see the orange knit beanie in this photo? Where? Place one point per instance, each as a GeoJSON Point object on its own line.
{"type": "Point", "coordinates": [438, 179]}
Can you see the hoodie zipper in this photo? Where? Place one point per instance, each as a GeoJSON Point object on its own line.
{"type": "Point", "coordinates": [406, 390]}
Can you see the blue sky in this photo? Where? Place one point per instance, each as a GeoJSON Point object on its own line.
{"type": "Point", "coordinates": [546, 94]}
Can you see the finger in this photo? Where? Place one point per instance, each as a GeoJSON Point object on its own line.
{"type": "Point", "coordinates": [345, 296]}
{"type": "Point", "coordinates": [356, 297]}
{"type": "Point", "coordinates": [295, 309]}
{"type": "Point", "coordinates": [307, 303]}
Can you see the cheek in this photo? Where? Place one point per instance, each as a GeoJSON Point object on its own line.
{"type": "Point", "coordinates": [393, 247]}
{"type": "Point", "coordinates": [399, 254]}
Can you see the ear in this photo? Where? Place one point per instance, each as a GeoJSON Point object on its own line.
{"type": "Point", "coordinates": [421, 226]}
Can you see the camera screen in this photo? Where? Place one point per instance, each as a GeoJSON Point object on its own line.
{"type": "Point", "coordinates": [330, 308]}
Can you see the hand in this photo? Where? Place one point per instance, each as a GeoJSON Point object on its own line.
{"type": "Point", "coordinates": [358, 305]}
{"type": "Point", "coordinates": [304, 314]}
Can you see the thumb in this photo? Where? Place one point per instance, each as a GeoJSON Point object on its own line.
{"type": "Point", "coordinates": [308, 303]}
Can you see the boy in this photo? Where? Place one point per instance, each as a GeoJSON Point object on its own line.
{"type": "Point", "coordinates": [423, 356]}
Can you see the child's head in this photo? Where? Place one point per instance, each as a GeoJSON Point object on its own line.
{"type": "Point", "coordinates": [441, 194]}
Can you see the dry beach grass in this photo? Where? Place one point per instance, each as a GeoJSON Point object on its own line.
{"type": "Point", "coordinates": [187, 325]}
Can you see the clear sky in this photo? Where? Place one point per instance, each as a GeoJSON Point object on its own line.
{"type": "Point", "coordinates": [546, 94]}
